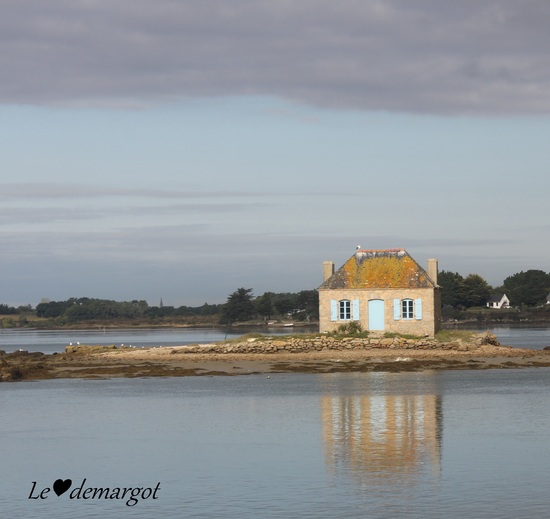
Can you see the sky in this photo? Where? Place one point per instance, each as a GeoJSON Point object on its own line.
{"type": "Point", "coordinates": [179, 150]}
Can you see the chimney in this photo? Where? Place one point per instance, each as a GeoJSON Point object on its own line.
{"type": "Point", "coordinates": [328, 269]}
{"type": "Point", "coordinates": [432, 270]}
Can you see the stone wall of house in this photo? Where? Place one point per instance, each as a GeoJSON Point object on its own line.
{"type": "Point", "coordinates": [275, 345]}
{"type": "Point", "coordinates": [428, 325]}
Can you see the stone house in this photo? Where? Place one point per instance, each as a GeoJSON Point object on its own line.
{"type": "Point", "coordinates": [498, 301]}
{"type": "Point", "coordinates": [382, 290]}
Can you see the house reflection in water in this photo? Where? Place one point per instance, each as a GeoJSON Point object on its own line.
{"type": "Point", "coordinates": [383, 434]}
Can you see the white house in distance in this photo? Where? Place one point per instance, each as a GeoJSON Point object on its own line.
{"type": "Point", "coordinates": [498, 301]}
{"type": "Point", "coordinates": [384, 291]}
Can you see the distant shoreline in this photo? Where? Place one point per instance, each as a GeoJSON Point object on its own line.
{"type": "Point", "coordinates": [314, 326]}
{"type": "Point", "coordinates": [83, 325]}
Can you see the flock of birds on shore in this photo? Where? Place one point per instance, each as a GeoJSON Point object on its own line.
{"type": "Point", "coordinates": [121, 346]}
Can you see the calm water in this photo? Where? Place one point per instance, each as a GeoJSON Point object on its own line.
{"type": "Point", "coordinates": [521, 336]}
{"type": "Point", "coordinates": [50, 341]}
{"type": "Point", "coordinates": [416, 445]}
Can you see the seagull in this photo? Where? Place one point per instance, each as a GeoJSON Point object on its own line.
{"type": "Point", "coordinates": [358, 247]}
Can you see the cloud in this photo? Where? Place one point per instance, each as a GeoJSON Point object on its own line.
{"type": "Point", "coordinates": [49, 215]}
{"type": "Point", "coordinates": [24, 203]}
{"type": "Point", "coordinates": [27, 207]}
{"type": "Point", "coordinates": [395, 55]}
{"type": "Point", "coordinates": [49, 190]}
{"type": "Point", "coordinates": [196, 243]}
{"type": "Point", "coordinates": [194, 263]}
{"type": "Point", "coordinates": [71, 191]}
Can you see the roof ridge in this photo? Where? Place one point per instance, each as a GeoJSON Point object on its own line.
{"type": "Point", "coordinates": [381, 250]}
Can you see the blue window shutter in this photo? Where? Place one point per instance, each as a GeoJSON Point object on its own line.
{"type": "Point", "coordinates": [355, 310]}
{"type": "Point", "coordinates": [418, 308]}
{"type": "Point", "coordinates": [397, 309]}
{"type": "Point", "coordinates": [333, 310]}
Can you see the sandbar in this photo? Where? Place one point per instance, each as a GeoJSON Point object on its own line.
{"type": "Point", "coordinates": [178, 361]}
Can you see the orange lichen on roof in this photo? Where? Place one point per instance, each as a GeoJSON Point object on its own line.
{"type": "Point", "coordinates": [379, 269]}
{"type": "Point", "coordinates": [383, 272]}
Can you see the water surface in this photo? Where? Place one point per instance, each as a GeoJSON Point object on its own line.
{"type": "Point", "coordinates": [50, 341]}
{"type": "Point", "coordinates": [379, 445]}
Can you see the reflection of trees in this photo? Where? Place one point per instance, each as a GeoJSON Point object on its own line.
{"type": "Point", "coordinates": [383, 437]}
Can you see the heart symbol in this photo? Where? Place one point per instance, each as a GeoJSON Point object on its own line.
{"type": "Point", "coordinates": [60, 486]}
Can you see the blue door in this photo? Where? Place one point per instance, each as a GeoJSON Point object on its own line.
{"type": "Point", "coordinates": [376, 314]}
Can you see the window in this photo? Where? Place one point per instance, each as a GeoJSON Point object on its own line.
{"type": "Point", "coordinates": [407, 309]}
{"type": "Point", "coordinates": [344, 313]}
{"type": "Point", "coordinates": [344, 310]}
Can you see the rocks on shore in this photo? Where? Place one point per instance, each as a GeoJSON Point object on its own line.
{"type": "Point", "coordinates": [10, 364]}
{"type": "Point", "coordinates": [268, 345]}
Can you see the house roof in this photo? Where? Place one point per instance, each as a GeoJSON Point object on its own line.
{"type": "Point", "coordinates": [392, 268]}
{"type": "Point", "coordinates": [496, 298]}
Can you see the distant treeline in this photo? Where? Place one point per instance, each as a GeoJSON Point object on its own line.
{"type": "Point", "coordinates": [86, 309]}
{"type": "Point", "coordinates": [524, 289]}
{"type": "Point", "coordinates": [241, 305]}
{"type": "Point", "coordinates": [12, 310]}
{"type": "Point", "coordinates": [8, 310]}
{"type": "Point", "coordinates": [301, 306]}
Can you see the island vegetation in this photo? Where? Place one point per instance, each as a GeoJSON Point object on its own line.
{"type": "Point", "coordinates": [463, 300]}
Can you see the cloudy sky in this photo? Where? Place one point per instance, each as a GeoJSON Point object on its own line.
{"type": "Point", "coordinates": [179, 149]}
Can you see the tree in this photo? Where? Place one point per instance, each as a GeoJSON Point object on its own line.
{"type": "Point", "coordinates": [308, 300]}
{"type": "Point", "coordinates": [476, 290]}
{"type": "Point", "coordinates": [452, 289]}
{"type": "Point", "coordinates": [284, 303]}
{"type": "Point", "coordinates": [528, 288]}
{"type": "Point", "coordinates": [207, 309]}
{"type": "Point", "coordinates": [457, 291]}
{"type": "Point", "coordinates": [239, 306]}
{"type": "Point", "coordinates": [51, 309]}
{"type": "Point", "coordinates": [264, 304]}
{"type": "Point", "coordinates": [8, 310]}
